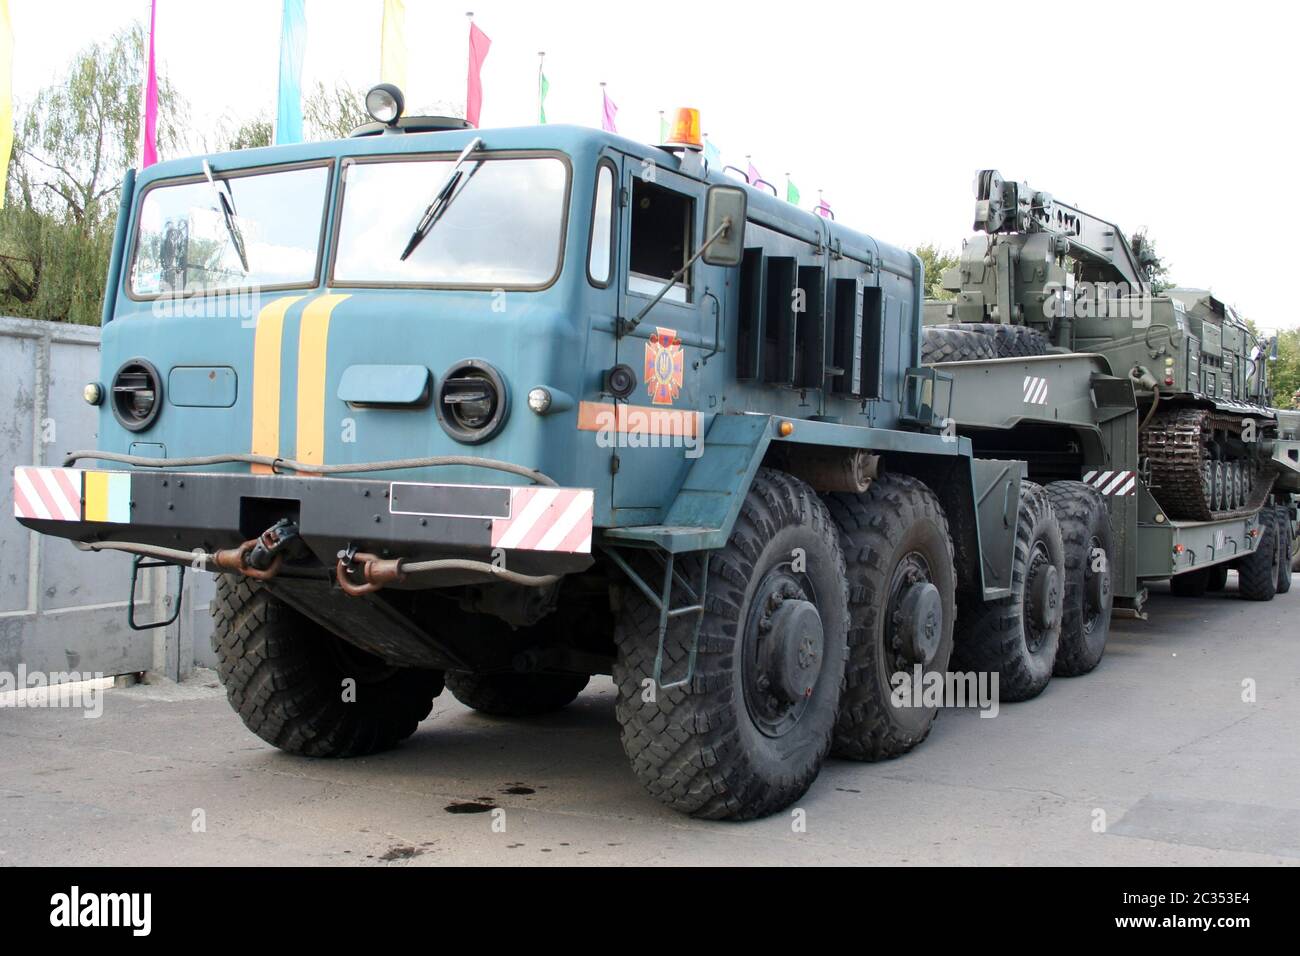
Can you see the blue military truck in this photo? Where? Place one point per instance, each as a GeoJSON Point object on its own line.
{"type": "Point", "coordinates": [496, 411]}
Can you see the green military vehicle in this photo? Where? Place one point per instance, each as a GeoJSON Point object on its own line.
{"type": "Point", "coordinates": [1150, 408]}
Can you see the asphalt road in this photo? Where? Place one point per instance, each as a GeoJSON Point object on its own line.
{"type": "Point", "coordinates": [1158, 739]}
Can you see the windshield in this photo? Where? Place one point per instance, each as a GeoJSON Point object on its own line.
{"type": "Point", "coordinates": [502, 228]}
{"type": "Point", "coordinates": [183, 243]}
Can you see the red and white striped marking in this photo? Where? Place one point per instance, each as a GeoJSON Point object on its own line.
{"type": "Point", "coordinates": [50, 494]}
{"type": "Point", "coordinates": [546, 519]}
{"type": "Point", "coordinates": [1112, 482]}
{"type": "Point", "coordinates": [1035, 390]}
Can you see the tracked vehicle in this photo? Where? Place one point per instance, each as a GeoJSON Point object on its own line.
{"type": "Point", "coordinates": [1198, 466]}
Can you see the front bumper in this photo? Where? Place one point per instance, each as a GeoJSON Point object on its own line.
{"type": "Point", "coordinates": [530, 529]}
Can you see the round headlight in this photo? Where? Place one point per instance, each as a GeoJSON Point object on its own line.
{"type": "Point", "coordinates": [93, 393]}
{"type": "Point", "coordinates": [137, 395]}
{"type": "Point", "coordinates": [472, 402]}
{"type": "Point", "coordinates": [539, 400]}
{"type": "Point", "coordinates": [385, 103]}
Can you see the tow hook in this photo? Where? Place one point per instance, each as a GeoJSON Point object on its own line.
{"type": "Point", "coordinates": [374, 572]}
{"type": "Point", "coordinates": [259, 558]}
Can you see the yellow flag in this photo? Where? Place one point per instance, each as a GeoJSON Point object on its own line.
{"type": "Point", "coordinates": [392, 44]}
{"type": "Point", "coordinates": [6, 95]}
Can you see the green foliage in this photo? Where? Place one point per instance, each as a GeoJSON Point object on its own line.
{"type": "Point", "coordinates": [1155, 268]}
{"type": "Point", "coordinates": [1284, 374]}
{"type": "Point", "coordinates": [333, 112]}
{"type": "Point", "coordinates": [72, 147]}
{"type": "Point", "coordinates": [936, 261]}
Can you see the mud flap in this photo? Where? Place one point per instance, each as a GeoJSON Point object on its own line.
{"type": "Point", "coordinates": [997, 504]}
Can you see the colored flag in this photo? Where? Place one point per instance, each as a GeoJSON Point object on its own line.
{"type": "Point", "coordinates": [293, 42]}
{"type": "Point", "coordinates": [6, 95]}
{"type": "Point", "coordinates": [478, 51]}
{"type": "Point", "coordinates": [392, 44]}
{"type": "Point", "coordinates": [752, 174]}
{"type": "Point", "coordinates": [823, 209]}
{"type": "Point", "coordinates": [543, 87]}
{"type": "Point", "coordinates": [712, 155]}
{"type": "Point", "coordinates": [149, 151]}
{"type": "Point", "coordinates": [608, 113]}
{"type": "Point", "coordinates": [663, 128]}
{"type": "Point", "coordinates": [791, 192]}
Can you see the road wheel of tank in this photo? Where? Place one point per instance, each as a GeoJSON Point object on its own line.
{"type": "Point", "coordinates": [902, 604]}
{"type": "Point", "coordinates": [1218, 578]}
{"type": "Point", "coordinates": [1257, 574]}
{"type": "Point", "coordinates": [942, 343]}
{"type": "Point", "coordinates": [1238, 485]}
{"type": "Point", "coordinates": [1220, 487]}
{"type": "Point", "coordinates": [1088, 596]}
{"type": "Point", "coordinates": [1018, 636]}
{"type": "Point", "coordinates": [1009, 341]}
{"type": "Point", "coordinates": [1191, 584]}
{"type": "Point", "coordinates": [515, 695]}
{"type": "Point", "coordinates": [746, 736]}
{"type": "Point", "coordinates": [1286, 543]}
{"type": "Point", "coordinates": [285, 676]}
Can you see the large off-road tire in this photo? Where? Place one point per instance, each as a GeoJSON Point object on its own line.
{"type": "Point", "coordinates": [1218, 578]}
{"type": "Point", "coordinates": [1286, 542]}
{"type": "Point", "coordinates": [1017, 636]}
{"type": "Point", "coordinates": [1191, 584]}
{"type": "Point", "coordinates": [942, 343]}
{"type": "Point", "coordinates": [1257, 574]}
{"type": "Point", "coordinates": [902, 604]}
{"type": "Point", "coordinates": [515, 695]}
{"type": "Point", "coordinates": [747, 734]}
{"type": "Point", "coordinates": [1009, 341]}
{"type": "Point", "coordinates": [1089, 555]}
{"type": "Point", "coordinates": [284, 675]}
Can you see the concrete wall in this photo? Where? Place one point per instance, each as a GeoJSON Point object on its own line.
{"type": "Point", "coordinates": [61, 609]}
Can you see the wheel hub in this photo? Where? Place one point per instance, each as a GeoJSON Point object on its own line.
{"type": "Point", "coordinates": [920, 622]}
{"type": "Point", "coordinates": [791, 654]}
{"type": "Point", "coordinates": [1044, 596]}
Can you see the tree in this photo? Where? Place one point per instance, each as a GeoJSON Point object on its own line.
{"type": "Point", "coordinates": [333, 112]}
{"type": "Point", "coordinates": [937, 261]}
{"type": "Point", "coordinates": [1284, 374]}
{"type": "Point", "coordinates": [72, 147]}
{"type": "Point", "coordinates": [1153, 267]}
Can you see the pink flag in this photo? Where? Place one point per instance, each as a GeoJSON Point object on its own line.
{"type": "Point", "coordinates": [149, 151]}
{"type": "Point", "coordinates": [752, 174]}
{"type": "Point", "coordinates": [607, 118]}
{"type": "Point", "coordinates": [478, 51]}
{"type": "Point", "coordinates": [823, 209]}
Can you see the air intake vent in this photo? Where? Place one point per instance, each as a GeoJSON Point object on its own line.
{"type": "Point", "coordinates": [137, 395]}
{"type": "Point", "coordinates": [472, 402]}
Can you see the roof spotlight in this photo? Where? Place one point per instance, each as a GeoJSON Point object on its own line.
{"type": "Point", "coordinates": [385, 103]}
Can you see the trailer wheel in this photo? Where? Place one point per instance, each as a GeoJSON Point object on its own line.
{"type": "Point", "coordinates": [1218, 578]}
{"type": "Point", "coordinates": [1089, 594]}
{"type": "Point", "coordinates": [902, 605]}
{"type": "Point", "coordinates": [747, 735]}
{"type": "Point", "coordinates": [1190, 584]}
{"type": "Point", "coordinates": [1286, 542]}
{"type": "Point", "coordinates": [284, 675]}
{"type": "Point", "coordinates": [1017, 636]}
{"type": "Point", "coordinates": [941, 343]}
{"type": "Point", "coordinates": [515, 695]}
{"type": "Point", "coordinates": [1257, 575]}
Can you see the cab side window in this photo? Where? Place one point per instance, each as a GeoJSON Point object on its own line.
{"type": "Point", "coordinates": [662, 227]}
{"type": "Point", "coordinates": [602, 224]}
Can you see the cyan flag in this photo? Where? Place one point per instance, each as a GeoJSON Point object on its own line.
{"type": "Point", "coordinates": [293, 43]}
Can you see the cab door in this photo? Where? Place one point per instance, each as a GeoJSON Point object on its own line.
{"type": "Point", "coordinates": [659, 424]}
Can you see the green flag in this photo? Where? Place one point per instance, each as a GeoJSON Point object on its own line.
{"type": "Point", "coordinates": [543, 87]}
{"type": "Point", "coordinates": [791, 192]}
{"type": "Point", "coordinates": [663, 128]}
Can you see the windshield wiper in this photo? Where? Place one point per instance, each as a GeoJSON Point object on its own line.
{"type": "Point", "coordinates": [442, 199]}
{"type": "Point", "coordinates": [226, 202]}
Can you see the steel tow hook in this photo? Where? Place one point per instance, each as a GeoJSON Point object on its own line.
{"type": "Point", "coordinates": [259, 558]}
{"type": "Point", "coordinates": [374, 572]}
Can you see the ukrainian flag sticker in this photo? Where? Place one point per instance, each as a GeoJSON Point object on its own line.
{"type": "Point", "coordinates": [108, 496]}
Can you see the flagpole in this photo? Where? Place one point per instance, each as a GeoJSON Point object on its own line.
{"type": "Point", "coordinates": [541, 104]}
{"type": "Point", "coordinates": [469, 57]}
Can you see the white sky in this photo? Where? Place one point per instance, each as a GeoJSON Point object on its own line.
{"type": "Point", "coordinates": [1179, 117]}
